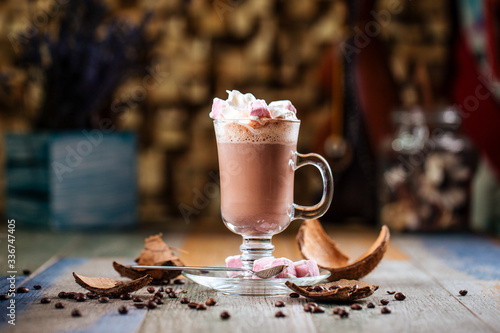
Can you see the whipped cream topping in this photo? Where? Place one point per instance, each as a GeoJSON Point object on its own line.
{"type": "Point", "coordinates": [246, 106]}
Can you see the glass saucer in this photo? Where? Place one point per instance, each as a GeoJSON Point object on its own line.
{"type": "Point", "coordinates": [247, 286]}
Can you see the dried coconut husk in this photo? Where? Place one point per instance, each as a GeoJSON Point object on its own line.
{"type": "Point", "coordinates": [314, 244]}
{"type": "Point", "coordinates": [342, 290]}
{"type": "Point", "coordinates": [155, 253]}
{"type": "Point", "coordinates": [105, 286]}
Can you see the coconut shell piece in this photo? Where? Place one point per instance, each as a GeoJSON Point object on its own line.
{"type": "Point", "coordinates": [155, 253]}
{"type": "Point", "coordinates": [314, 244]}
{"type": "Point", "coordinates": [341, 290]}
{"type": "Point", "coordinates": [105, 286]}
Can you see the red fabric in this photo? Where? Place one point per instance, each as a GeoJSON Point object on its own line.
{"type": "Point", "coordinates": [480, 112]}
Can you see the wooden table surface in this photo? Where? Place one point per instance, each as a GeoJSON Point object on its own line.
{"type": "Point", "coordinates": [429, 269]}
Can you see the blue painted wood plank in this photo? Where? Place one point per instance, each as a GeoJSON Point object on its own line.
{"type": "Point", "coordinates": [473, 255]}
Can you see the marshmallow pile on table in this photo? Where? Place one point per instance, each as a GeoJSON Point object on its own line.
{"type": "Point", "coordinates": [301, 268]}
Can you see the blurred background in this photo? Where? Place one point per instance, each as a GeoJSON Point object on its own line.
{"type": "Point", "coordinates": [104, 107]}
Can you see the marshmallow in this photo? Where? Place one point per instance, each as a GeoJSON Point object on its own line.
{"type": "Point", "coordinates": [269, 262]}
{"type": "Point", "coordinates": [217, 107]}
{"type": "Point", "coordinates": [258, 108]}
{"type": "Point", "coordinates": [233, 262]}
{"type": "Point", "coordinates": [306, 268]}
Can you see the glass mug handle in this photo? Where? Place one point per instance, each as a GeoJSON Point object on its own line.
{"type": "Point", "coordinates": [316, 211]}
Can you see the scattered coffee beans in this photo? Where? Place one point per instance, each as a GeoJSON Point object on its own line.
{"type": "Point", "coordinates": [399, 296]}
{"type": "Point", "coordinates": [343, 313]}
{"type": "Point", "coordinates": [294, 295]}
{"type": "Point", "coordinates": [192, 305]}
{"type": "Point", "coordinates": [385, 310]}
{"type": "Point", "coordinates": [126, 297]}
{"type": "Point", "coordinates": [210, 302]}
{"type": "Point", "coordinates": [161, 289]}
{"type": "Point", "coordinates": [356, 306]}
{"type": "Point", "coordinates": [37, 287]}
{"type": "Point", "coordinates": [159, 295]}
{"type": "Point", "coordinates": [280, 314]}
{"type": "Point", "coordinates": [122, 310]}
{"type": "Point", "coordinates": [157, 300]}
{"type": "Point", "coordinates": [103, 299]}
{"type": "Point", "coordinates": [384, 301]}
{"type": "Point", "coordinates": [80, 298]}
{"type": "Point", "coordinates": [140, 305]}
{"type": "Point", "coordinates": [22, 290]}
{"type": "Point", "coordinates": [26, 272]}
{"type": "Point", "coordinates": [76, 313]}
{"type": "Point", "coordinates": [337, 310]}
{"type": "Point", "coordinates": [45, 300]}
{"type": "Point", "coordinates": [168, 290]}
{"type": "Point", "coordinates": [184, 300]}
{"type": "Point", "coordinates": [71, 295]}
{"type": "Point", "coordinates": [391, 292]}
{"type": "Point", "coordinates": [4, 297]}
{"type": "Point", "coordinates": [152, 305]}
{"type": "Point", "coordinates": [318, 309]}
{"type": "Point", "coordinates": [150, 290]}
{"type": "Point", "coordinates": [201, 307]}
{"type": "Point", "coordinates": [172, 295]}
{"type": "Point", "coordinates": [279, 304]}
{"type": "Point", "coordinates": [225, 315]}
{"type": "Point", "coordinates": [59, 305]}
{"type": "Point", "coordinates": [370, 305]}
{"type": "Point", "coordinates": [136, 299]}
{"type": "Point", "coordinates": [463, 292]}
{"type": "Point", "coordinates": [62, 294]}
{"type": "Point", "coordinates": [179, 281]}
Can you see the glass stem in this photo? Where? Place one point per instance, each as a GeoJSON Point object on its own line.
{"type": "Point", "coordinates": [253, 248]}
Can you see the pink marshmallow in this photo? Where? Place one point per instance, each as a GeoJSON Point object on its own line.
{"type": "Point", "coordinates": [217, 106]}
{"type": "Point", "coordinates": [234, 261]}
{"type": "Point", "coordinates": [269, 262]}
{"type": "Point", "coordinates": [289, 106]}
{"type": "Point", "coordinates": [258, 108]}
{"type": "Point", "coordinates": [306, 268]}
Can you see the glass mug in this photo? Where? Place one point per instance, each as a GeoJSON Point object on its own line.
{"type": "Point", "coordinates": [257, 163]}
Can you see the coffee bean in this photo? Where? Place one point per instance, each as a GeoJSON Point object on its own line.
{"type": "Point", "coordinates": [184, 300]}
{"type": "Point", "coordinates": [280, 314]}
{"type": "Point", "coordinates": [312, 303]}
{"type": "Point", "coordinates": [279, 304]}
{"type": "Point", "coordinates": [308, 308]}
{"type": "Point", "coordinates": [80, 298]}
{"type": "Point", "coordinates": [22, 290]}
{"type": "Point", "coordinates": [161, 289]}
{"type": "Point", "coordinates": [463, 292]}
{"type": "Point", "coordinates": [150, 290]}
{"type": "Point", "coordinates": [179, 281]}
{"type": "Point", "coordinates": [391, 292]}
{"type": "Point", "coordinates": [337, 310]}
{"type": "Point", "coordinates": [385, 310]}
{"type": "Point", "coordinates": [159, 295]}
{"type": "Point", "coordinates": [168, 290]}
{"type": "Point", "coordinates": [356, 306]}
{"type": "Point", "coordinates": [62, 294]}
{"type": "Point", "coordinates": [26, 272]}
{"type": "Point", "coordinates": [399, 296]}
{"type": "Point", "coordinates": [384, 301]}
{"type": "Point", "coordinates": [37, 287]}
{"type": "Point", "coordinates": [210, 302]}
{"type": "Point", "coordinates": [126, 297]}
{"type": "Point", "coordinates": [157, 300]}
{"type": "Point", "coordinates": [71, 295]}
{"type": "Point", "coordinates": [76, 313]}
{"type": "Point", "coordinates": [318, 309]}
{"type": "Point", "coordinates": [201, 307]}
{"type": "Point", "coordinates": [59, 305]}
{"type": "Point", "coordinates": [4, 297]}
{"type": "Point", "coordinates": [172, 295]}
{"type": "Point", "coordinates": [192, 305]}
{"type": "Point", "coordinates": [225, 315]}
{"type": "Point", "coordinates": [140, 305]}
{"type": "Point", "coordinates": [136, 299]}
{"type": "Point", "coordinates": [122, 310]}
{"type": "Point", "coordinates": [152, 305]}
{"type": "Point", "coordinates": [343, 314]}
{"type": "Point", "coordinates": [45, 300]}
{"type": "Point", "coordinates": [91, 295]}
{"type": "Point", "coordinates": [370, 305]}
{"type": "Point", "coordinates": [294, 295]}
{"type": "Point", "coordinates": [103, 299]}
